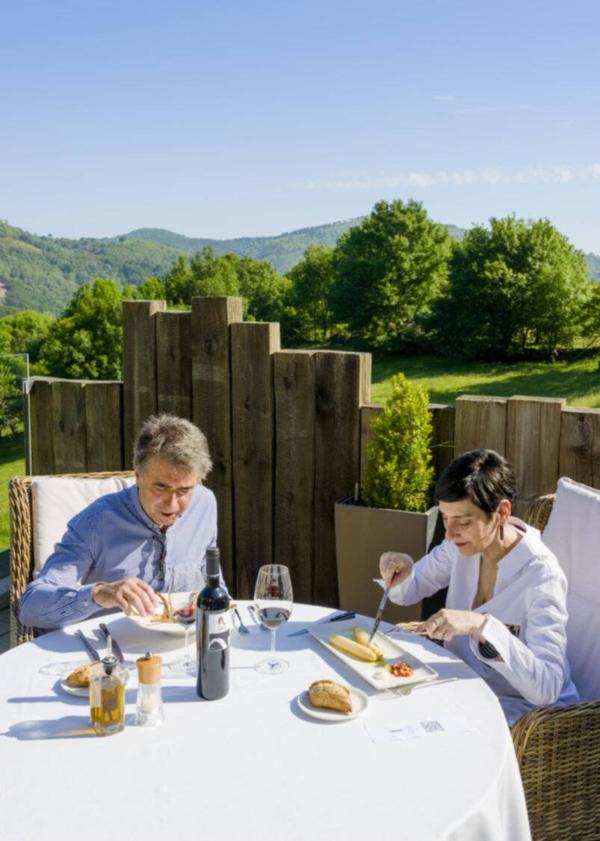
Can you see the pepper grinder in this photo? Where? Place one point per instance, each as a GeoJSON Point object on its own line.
{"type": "Point", "coordinates": [149, 707]}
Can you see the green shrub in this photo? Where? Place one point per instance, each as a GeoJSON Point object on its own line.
{"type": "Point", "coordinates": [399, 471]}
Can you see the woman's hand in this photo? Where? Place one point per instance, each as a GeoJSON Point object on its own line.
{"type": "Point", "coordinates": [395, 567]}
{"type": "Point", "coordinates": [447, 624]}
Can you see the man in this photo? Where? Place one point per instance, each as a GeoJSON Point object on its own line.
{"type": "Point", "coordinates": [123, 547]}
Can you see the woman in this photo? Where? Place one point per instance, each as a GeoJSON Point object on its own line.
{"type": "Point", "coordinates": [505, 612]}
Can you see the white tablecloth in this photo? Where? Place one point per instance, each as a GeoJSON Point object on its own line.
{"type": "Point", "coordinates": [252, 766]}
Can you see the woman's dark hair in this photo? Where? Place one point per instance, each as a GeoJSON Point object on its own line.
{"type": "Point", "coordinates": [483, 476]}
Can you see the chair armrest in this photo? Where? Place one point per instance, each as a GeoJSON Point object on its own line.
{"type": "Point", "coordinates": [558, 750]}
{"type": "Point", "coordinates": [539, 511]}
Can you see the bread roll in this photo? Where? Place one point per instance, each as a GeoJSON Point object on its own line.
{"type": "Point", "coordinates": [328, 693]}
{"type": "Point", "coordinates": [80, 678]}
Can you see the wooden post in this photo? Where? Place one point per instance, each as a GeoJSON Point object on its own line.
{"type": "Point", "coordinates": [42, 436]}
{"type": "Point", "coordinates": [532, 445]}
{"type": "Point", "coordinates": [340, 390]}
{"type": "Point", "coordinates": [580, 446]}
{"type": "Point", "coordinates": [139, 368]}
{"type": "Point", "coordinates": [294, 387]}
{"type": "Point", "coordinates": [442, 437]}
{"type": "Point", "coordinates": [211, 408]}
{"type": "Point", "coordinates": [174, 363]}
{"type": "Point", "coordinates": [68, 426]}
{"type": "Point", "coordinates": [480, 422]}
{"type": "Point", "coordinates": [252, 409]}
{"type": "Point", "coordinates": [104, 425]}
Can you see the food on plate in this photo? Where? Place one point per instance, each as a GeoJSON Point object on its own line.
{"type": "Point", "coordinates": [400, 669]}
{"type": "Point", "coordinates": [353, 648]}
{"type": "Point", "coordinates": [362, 637]}
{"type": "Point", "coordinates": [80, 678]}
{"type": "Point", "coordinates": [328, 693]}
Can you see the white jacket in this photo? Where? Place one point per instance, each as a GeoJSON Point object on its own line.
{"type": "Point", "coordinates": [526, 623]}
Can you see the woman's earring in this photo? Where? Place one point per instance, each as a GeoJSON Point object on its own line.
{"type": "Point", "coordinates": [501, 532]}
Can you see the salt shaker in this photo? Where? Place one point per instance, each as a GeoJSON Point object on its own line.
{"type": "Point", "coordinates": [149, 708]}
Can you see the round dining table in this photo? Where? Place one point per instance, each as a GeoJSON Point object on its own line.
{"type": "Point", "coordinates": [432, 761]}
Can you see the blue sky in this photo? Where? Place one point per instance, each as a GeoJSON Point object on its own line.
{"type": "Point", "coordinates": [234, 118]}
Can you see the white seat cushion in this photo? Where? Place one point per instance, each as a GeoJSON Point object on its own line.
{"type": "Point", "coordinates": [56, 500]}
{"type": "Point", "coordinates": [573, 534]}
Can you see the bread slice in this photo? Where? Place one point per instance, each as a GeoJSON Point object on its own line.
{"type": "Point", "coordinates": [328, 693]}
{"type": "Point", "coordinates": [80, 678]}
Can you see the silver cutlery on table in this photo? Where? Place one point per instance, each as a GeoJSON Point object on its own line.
{"type": "Point", "coordinates": [348, 614]}
{"type": "Point", "coordinates": [112, 645]}
{"type": "Point", "coordinates": [242, 628]}
{"type": "Point", "coordinates": [92, 653]}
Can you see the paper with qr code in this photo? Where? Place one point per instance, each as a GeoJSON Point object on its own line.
{"type": "Point", "coordinates": [400, 731]}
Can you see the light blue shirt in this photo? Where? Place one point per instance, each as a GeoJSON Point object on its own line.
{"type": "Point", "coordinates": [111, 539]}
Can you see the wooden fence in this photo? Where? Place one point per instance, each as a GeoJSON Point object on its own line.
{"type": "Point", "coordinates": [287, 431]}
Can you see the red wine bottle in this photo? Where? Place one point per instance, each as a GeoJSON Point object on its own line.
{"type": "Point", "coordinates": [213, 623]}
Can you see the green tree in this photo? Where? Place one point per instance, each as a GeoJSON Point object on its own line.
{"type": "Point", "coordinates": [263, 289]}
{"type": "Point", "coordinates": [86, 343]}
{"type": "Point", "coordinates": [206, 274]}
{"type": "Point", "coordinates": [11, 400]}
{"type": "Point", "coordinates": [513, 287]}
{"type": "Point", "coordinates": [388, 270]}
{"type": "Point", "coordinates": [312, 281]}
{"type": "Point", "coordinates": [24, 332]}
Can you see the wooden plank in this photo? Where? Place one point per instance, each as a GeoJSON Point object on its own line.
{"type": "Point", "coordinates": [139, 368]}
{"type": "Point", "coordinates": [580, 446]}
{"type": "Point", "coordinates": [339, 383]}
{"type": "Point", "coordinates": [252, 411]}
{"type": "Point", "coordinates": [533, 445]}
{"type": "Point", "coordinates": [211, 407]}
{"type": "Point", "coordinates": [294, 389]}
{"type": "Point", "coordinates": [104, 425]}
{"type": "Point", "coordinates": [367, 416]}
{"type": "Point", "coordinates": [174, 363]}
{"type": "Point", "coordinates": [68, 426]}
{"type": "Point", "coordinates": [480, 421]}
{"type": "Point", "coordinates": [42, 439]}
{"type": "Point", "coordinates": [442, 437]}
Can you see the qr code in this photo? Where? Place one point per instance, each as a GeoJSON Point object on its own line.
{"type": "Point", "coordinates": [432, 726]}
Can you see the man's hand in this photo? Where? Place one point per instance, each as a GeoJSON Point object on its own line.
{"type": "Point", "coordinates": [447, 624]}
{"type": "Point", "coordinates": [127, 594]}
{"type": "Point", "coordinates": [395, 567]}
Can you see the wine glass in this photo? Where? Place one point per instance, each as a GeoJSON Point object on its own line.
{"type": "Point", "coordinates": [274, 601]}
{"type": "Point", "coordinates": [182, 606]}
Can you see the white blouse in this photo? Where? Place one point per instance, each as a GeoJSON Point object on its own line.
{"type": "Point", "coordinates": [526, 622]}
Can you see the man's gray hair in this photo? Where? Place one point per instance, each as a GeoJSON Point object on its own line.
{"type": "Point", "coordinates": [175, 439]}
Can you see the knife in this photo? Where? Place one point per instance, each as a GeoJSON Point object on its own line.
{"type": "Point", "coordinates": [349, 614]}
{"type": "Point", "coordinates": [92, 653]}
{"type": "Point", "coordinates": [111, 643]}
{"type": "Point", "coordinates": [384, 599]}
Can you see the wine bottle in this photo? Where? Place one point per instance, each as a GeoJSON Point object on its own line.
{"type": "Point", "coordinates": [213, 623]}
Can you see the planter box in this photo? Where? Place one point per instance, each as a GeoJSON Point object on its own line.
{"type": "Point", "coordinates": [362, 535]}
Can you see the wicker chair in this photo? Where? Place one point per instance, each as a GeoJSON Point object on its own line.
{"type": "Point", "coordinates": [21, 541]}
{"type": "Point", "coordinates": [558, 750]}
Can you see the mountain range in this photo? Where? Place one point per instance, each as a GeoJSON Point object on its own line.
{"type": "Point", "coordinates": [43, 272]}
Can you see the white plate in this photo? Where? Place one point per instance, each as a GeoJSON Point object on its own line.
{"type": "Point", "coordinates": [173, 628]}
{"type": "Point", "coordinates": [81, 691]}
{"type": "Point", "coordinates": [358, 698]}
{"type": "Point", "coordinates": [375, 673]}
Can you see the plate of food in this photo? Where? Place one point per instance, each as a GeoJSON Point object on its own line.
{"type": "Point", "coordinates": [171, 614]}
{"type": "Point", "coordinates": [384, 663]}
{"type": "Point", "coordinates": [328, 700]}
{"type": "Point", "coordinates": [77, 682]}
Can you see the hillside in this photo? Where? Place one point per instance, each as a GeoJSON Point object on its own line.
{"type": "Point", "coordinates": [42, 272]}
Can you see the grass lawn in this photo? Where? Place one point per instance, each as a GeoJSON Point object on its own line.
{"type": "Point", "coordinates": [578, 382]}
{"type": "Point", "coordinates": [12, 463]}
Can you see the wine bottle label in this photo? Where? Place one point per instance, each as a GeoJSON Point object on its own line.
{"type": "Point", "coordinates": [219, 626]}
